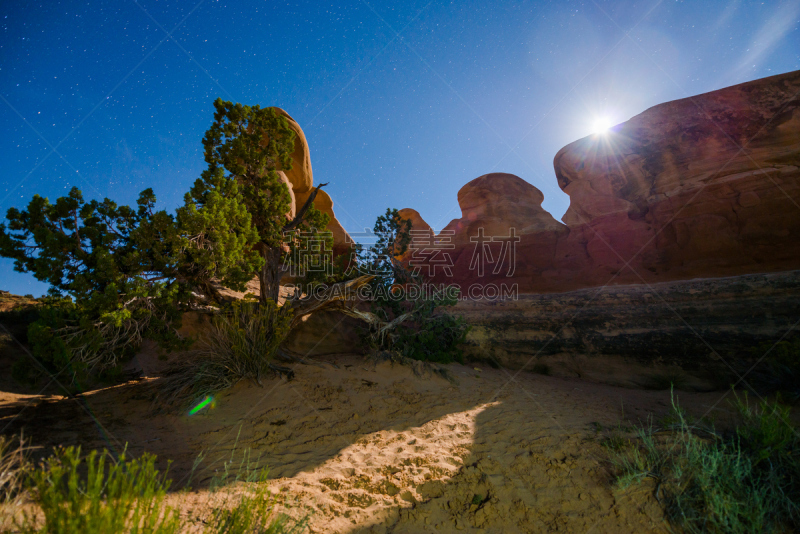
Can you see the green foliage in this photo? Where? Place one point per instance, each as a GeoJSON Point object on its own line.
{"type": "Point", "coordinates": [430, 337]}
{"type": "Point", "coordinates": [217, 233]}
{"type": "Point", "coordinates": [745, 481]}
{"type": "Point", "coordinates": [114, 274]}
{"type": "Point", "coordinates": [245, 147]}
{"type": "Point", "coordinates": [120, 274]}
{"type": "Point", "coordinates": [96, 494]}
{"type": "Point", "coordinates": [393, 235]}
{"type": "Point", "coordinates": [250, 511]}
{"type": "Point", "coordinates": [414, 328]}
{"type": "Point", "coordinates": [113, 496]}
{"type": "Point", "coordinates": [100, 254]}
{"type": "Point", "coordinates": [246, 503]}
{"type": "Point", "coordinates": [241, 344]}
{"type": "Point", "coordinates": [247, 335]}
{"type": "Point", "coordinates": [251, 144]}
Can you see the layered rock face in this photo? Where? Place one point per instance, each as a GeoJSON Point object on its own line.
{"type": "Point", "coordinates": [706, 331]}
{"type": "Point", "coordinates": [706, 186]}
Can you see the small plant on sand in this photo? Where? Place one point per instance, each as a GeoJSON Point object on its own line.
{"type": "Point", "coordinates": [241, 344]}
{"type": "Point", "coordinates": [746, 480]}
{"type": "Point", "coordinates": [99, 494]}
{"type": "Point", "coordinates": [14, 466]}
{"type": "Point", "coordinates": [244, 503]}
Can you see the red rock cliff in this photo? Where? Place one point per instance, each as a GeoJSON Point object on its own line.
{"type": "Point", "coordinates": [705, 186]}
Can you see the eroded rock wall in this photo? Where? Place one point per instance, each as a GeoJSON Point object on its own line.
{"type": "Point", "coordinates": [707, 186]}
{"type": "Point", "coordinates": [707, 330]}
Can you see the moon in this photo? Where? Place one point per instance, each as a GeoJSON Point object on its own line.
{"type": "Point", "coordinates": [601, 125]}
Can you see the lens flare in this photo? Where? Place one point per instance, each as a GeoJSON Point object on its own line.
{"type": "Point", "coordinates": [209, 400]}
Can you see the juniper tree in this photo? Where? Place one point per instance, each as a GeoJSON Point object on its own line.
{"type": "Point", "coordinates": [115, 276]}
{"type": "Point", "coordinates": [245, 148]}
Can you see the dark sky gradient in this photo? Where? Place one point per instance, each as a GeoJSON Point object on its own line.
{"type": "Point", "coordinates": [466, 88]}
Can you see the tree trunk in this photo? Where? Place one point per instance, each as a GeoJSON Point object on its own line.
{"type": "Point", "coordinates": [270, 276]}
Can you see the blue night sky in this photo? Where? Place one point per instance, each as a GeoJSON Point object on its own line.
{"type": "Point", "coordinates": [401, 104]}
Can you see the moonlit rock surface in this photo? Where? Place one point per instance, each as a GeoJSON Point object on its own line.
{"type": "Point", "coordinates": [300, 174]}
{"type": "Point", "coordinates": [703, 187]}
{"type": "Point", "coordinates": [301, 179]}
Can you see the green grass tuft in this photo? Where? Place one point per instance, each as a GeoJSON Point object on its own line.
{"type": "Point", "coordinates": [113, 495]}
{"type": "Point", "coordinates": [747, 480]}
{"type": "Point", "coordinates": [241, 344]}
{"type": "Point", "coordinates": [98, 494]}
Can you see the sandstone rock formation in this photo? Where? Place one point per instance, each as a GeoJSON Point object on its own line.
{"type": "Point", "coordinates": [417, 223]}
{"type": "Point", "coordinates": [703, 186]}
{"type": "Point", "coordinates": [324, 203]}
{"type": "Point", "coordinates": [293, 208]}
{"type": "Point", "coordinates": [300, 174]}
{"type": "Point", "coordinates": [707, 186]}
{"type": "Point", "coordinates": [301, 181]}
{"type": "Point", "coordinates": [705, 331]}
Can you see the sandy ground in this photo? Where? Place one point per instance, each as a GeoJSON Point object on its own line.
{"type": "Point", "coordinates": [363, 447]}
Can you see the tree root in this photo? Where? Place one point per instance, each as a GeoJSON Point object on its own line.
{"type": "Point", "coordinates": [288, 372]}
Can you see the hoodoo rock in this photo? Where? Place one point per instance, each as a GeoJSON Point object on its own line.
{"type": "Point", "coordinates": [418, 224]}
{"type": "Point", "coordinates": [301, 181]}
{"type": "Point", "coordinates": [703, 186]}
{"type": "Point", "coordinates": [421, 232]}
{"type": "Point", "coordinates": [707, 186]}
{"type": "Point", "coordinates": [498, 202]}
{"type": "Point", "coordinates": [324, 203]}
{"type": "Point", "coordinates": [300, 174]}
{"type": "Point", "coordinates": [503, 235]}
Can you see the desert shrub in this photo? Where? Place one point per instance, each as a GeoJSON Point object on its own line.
{"type": "Point", "coordinates": [112, 496]}
{"type": "Point", "coordinates": [413, 328]}
{"type": "Point", "coordinates": [246, 504]}
{"type": "Point", "coordinates": [431, 337]}
{"type": "Point", "coordinates": [246, 335]}
{"type": "Point", "coordinates": [114, 274]}
{"type": "Point", "coordinates": [746, 480]}
{"type": "Point", "coordinates": [240, 344]}
{"type": "Point", "coordinates": [14, 466]}
{"type": "Point", "coordinates": [98, 494]}
{"type": "Point", "coordinates": [249, 510]}
{"type": "Point", "coordinates": [127, 273]}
